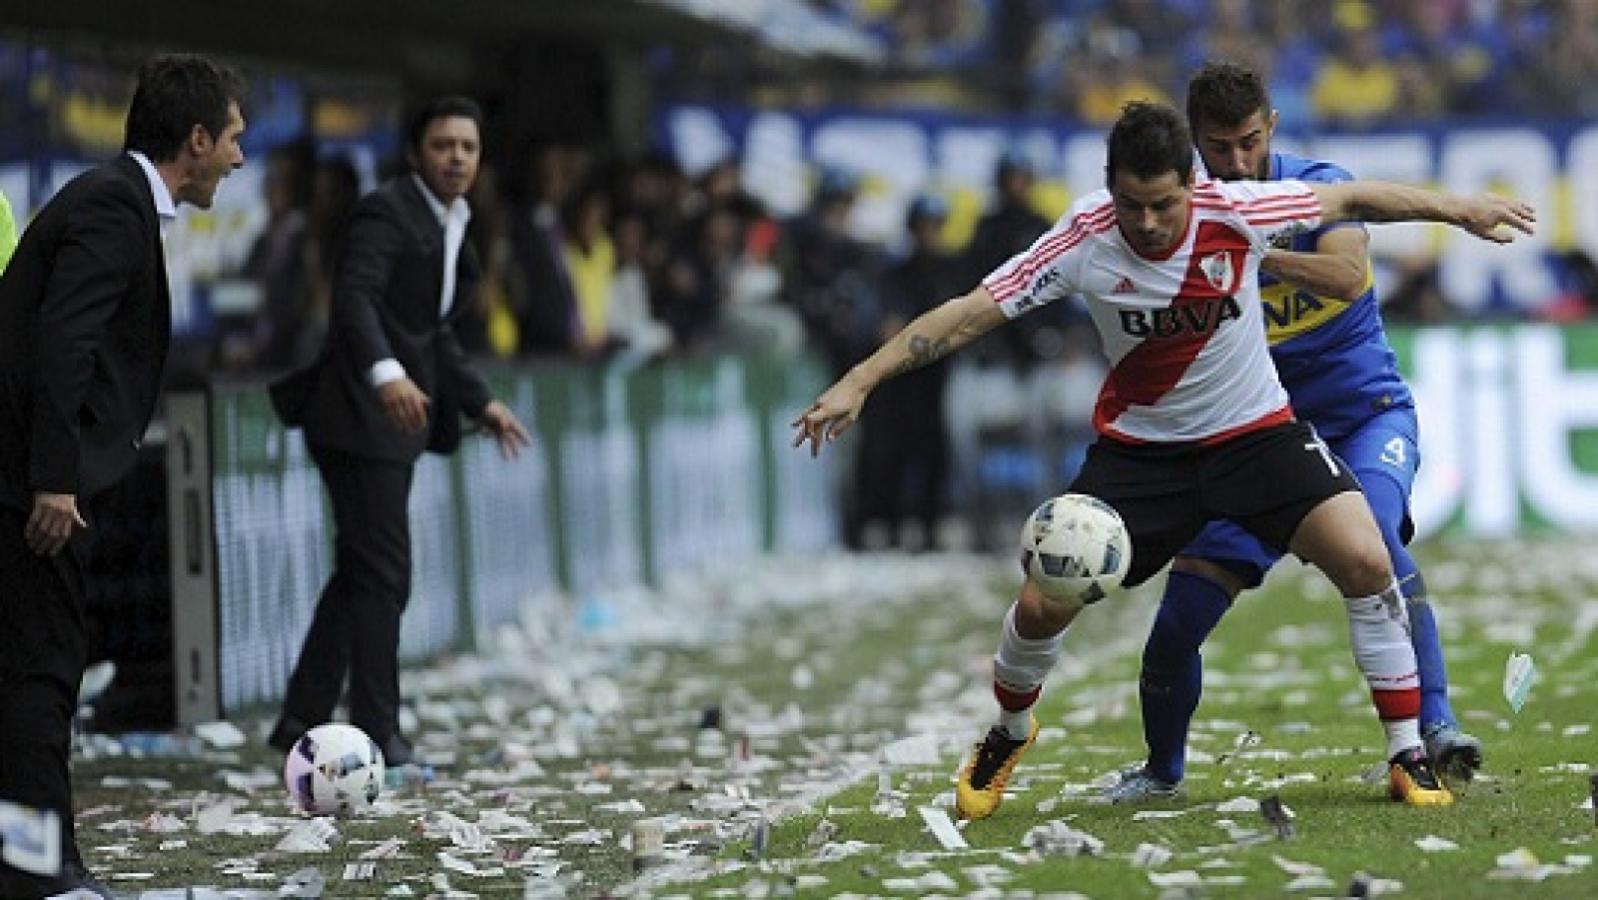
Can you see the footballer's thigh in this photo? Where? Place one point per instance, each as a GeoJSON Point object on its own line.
{"type": "Point", "coordinates": [1286, 486]}
{"type": "Point", "coordinates": [1340, 537]}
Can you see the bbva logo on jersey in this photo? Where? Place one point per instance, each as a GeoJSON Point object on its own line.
{"type": "Point", "coordinates": [1195, 317]}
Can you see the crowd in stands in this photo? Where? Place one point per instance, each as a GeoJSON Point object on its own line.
{"type": "Point", "coordinates": [1350, 63]}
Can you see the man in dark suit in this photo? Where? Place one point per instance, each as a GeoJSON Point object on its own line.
{"type": "Point", "coordinates": [84, 324]}
{"type": "Point", "coordinates": [391, 382]}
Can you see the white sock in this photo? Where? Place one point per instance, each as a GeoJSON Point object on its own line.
{"type": "Point", "coordinates": [1019, 669]}
{"type": "Point", "coordinates": [1402, 734]}
{"type": "Point", "coordinates": [1378, 629]}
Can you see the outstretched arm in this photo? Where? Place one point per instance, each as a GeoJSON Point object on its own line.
{"type": "Point", "coordinates": [1337, 267]}
{"type": "Point", "coordinates": [1379, 201]}
{"type": "Point", "coordinates": [933, 335]}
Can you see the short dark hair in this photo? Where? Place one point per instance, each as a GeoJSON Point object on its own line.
{"type": "Point", "coordinates": [1224, 94]}
{"type": "Point", "coordinates": [1148, 140]}
{"type": "Point", "coordinates": [176, 92]}
{"type": "Point", "coordinates": [440, 108]}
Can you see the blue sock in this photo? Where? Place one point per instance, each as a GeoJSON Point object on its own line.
{"type": "Point", "coordinates": [1434, 706]}
{"type": "Point", "coordinates": [1173, 671]}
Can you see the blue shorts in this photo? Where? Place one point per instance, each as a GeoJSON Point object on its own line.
{"type": "Point", "coordinates": [1384, 447]}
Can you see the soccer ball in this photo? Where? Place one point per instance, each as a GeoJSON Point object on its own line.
{"type": "Point", "coordinates": [334, 769]}
{"type": "Point", "coordinates": [1075, 548]}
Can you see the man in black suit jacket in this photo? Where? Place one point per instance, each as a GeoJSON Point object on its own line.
{"type": "Point", "coordinates": [391, 382]}
{"type": "Point", "coordinates": [84, 323]}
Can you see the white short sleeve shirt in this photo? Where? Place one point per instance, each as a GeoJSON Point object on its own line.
{"type": "Point", "coordinates": [1186, 345]}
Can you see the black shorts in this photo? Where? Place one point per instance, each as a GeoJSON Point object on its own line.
{"type": "Point", "coordinates": [1266, 481]}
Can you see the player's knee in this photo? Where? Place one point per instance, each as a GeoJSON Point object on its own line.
{"type": "Point", "coordinates": [1366, 570]}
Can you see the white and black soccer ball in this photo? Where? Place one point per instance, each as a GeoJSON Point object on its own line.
{"type": "Point", "coordinates": [334, 769]}
{"type": "Point", "coordinates": [1075, 548]}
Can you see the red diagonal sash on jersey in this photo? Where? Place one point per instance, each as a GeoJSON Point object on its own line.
{"type": "Point", "coordinates": [1154, 367]}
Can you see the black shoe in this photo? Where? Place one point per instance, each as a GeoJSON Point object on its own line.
{"type": "Point", "coordinates": [396, 751]}
{"type": "Point", "coordinates": [286, 733]}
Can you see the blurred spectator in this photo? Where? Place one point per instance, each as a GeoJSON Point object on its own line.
{"type": "Point", "coordinates": [1417, 298]}
{"type": "Point", "coordinates": [1009, 228]}
{"type": "Point", "coordinates": [548, 313]}
{"type": "Point", "coordinates": [755, 318]}
{"type": "Point", "coordinates": [337, 187]}
{"type": "Point", "coordinates": [590, 260]}
{"type": "Point", "coordinates": [1356, 86]}
{"type": "Point", "coordinates": [695, 284]}
{"type": "Point", "coordinates": [1568, 78]}
{"type": "Point", "coordinates": [492, 329]}
{"type": "Point", "coordinates": [640, 336]}
{"type": "Point", "coordinates": [901, 476]}
{"type": "Point", "coordinates": [1231, 32]}
{"type": "Point", "coordinates": [830, 277]}
{"type": "Point", "coordinates": [277, 264]}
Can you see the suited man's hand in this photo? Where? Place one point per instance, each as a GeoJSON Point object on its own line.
{"type": "Point", "coordinates": [507, 431]}
{"type": "Point", "coordinates": [405, 405]}
{"type": "Point", "coordinates": [51, 522]}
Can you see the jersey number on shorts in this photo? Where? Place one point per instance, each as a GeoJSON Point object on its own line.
{"type": "Point", "coordinates": [1394, 453]}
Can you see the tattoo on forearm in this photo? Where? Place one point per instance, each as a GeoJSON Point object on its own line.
{"type": "Point", "coordinates": [923, 351]}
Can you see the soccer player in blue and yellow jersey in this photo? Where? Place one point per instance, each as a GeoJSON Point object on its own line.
{"type": "Point", "coordinates": [1328, 344]}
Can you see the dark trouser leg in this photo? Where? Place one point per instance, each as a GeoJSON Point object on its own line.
{"type": "Point", "coordinates": [358, 618]}
{"type": "Point", "coordinates": [42, 656]}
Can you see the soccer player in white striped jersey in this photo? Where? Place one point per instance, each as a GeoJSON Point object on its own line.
{"type": "Point", "coordinates": [1193, 423]}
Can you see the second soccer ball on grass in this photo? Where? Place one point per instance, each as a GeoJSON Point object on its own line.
{"type": "Point", "coordinates": [1075, 548]}
{"type": "Point", "coordinates": [334, 769]}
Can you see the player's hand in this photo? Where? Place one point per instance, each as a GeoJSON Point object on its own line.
{"type": "Point", "coordinates": [1483, 215]}
{"type": "Point", "coordinates": [51, 522]}
{"type": "Point", "coordinates": [831, 415]}
{"type": "Point", "coordinates": [405, 404]}
{"type": "Point", "coordinates": [506, 429]}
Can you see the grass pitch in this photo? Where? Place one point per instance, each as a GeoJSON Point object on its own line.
{"type": "Point", "coordinates": [807, 697]}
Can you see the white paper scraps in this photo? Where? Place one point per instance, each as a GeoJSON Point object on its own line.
{"type": "Point", "coordinates": [1519, 864]}
{"type": "Point", "coordinates": [386, 850]}
{"type": "Point", "coordinates": [1144, 815]}
{"type": "Point", "coordinates": [360, 871]}
{"type": "Point", "coordinates": [30, 839]}
{"type": "Point", "coordinates": [942, 828]}
{"type": "Point", "coordinates": [306, 882]}
{"type": "Point", "coordinates": [916, 750]}
{"type": "Point", "coordinates": [162, 823]}
{"type": "Point", "coordinates": [1185, 878]}
{"type": "Point", "coordinates": [1431, 843]}
{"type": "Point", "coordinates": [215, 817]}
{"type": "Point", "coordinates": [1519, 675]}
{"type": "Point", "coordinates": [1245, 741]}
{"type": "Point", "coordinates": [1059, 839]}
{"type": "Point", "coordinates": [311, 836]}
{"type": "Point", "coordinates": [1314, 881]}
{"type": "Point", "coordinates": [221, 734]}
{"type": "Point", "coordinates": [1151, 856]}
{"type": "Point", "coordinates": [1238, 805]}
{"type": "Point", "coordinates": [1294, 867]}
